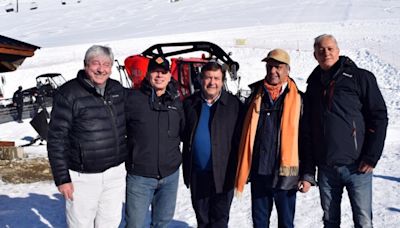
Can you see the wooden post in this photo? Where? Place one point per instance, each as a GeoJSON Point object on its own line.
{"type": "Point", "coordinates": [11, 152]}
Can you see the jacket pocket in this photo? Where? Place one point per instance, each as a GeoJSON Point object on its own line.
{"type": "Point", "coordinates": [81, 158]}
{"type": "Point", "coordinates": [132, 151]}
{"type": "Point", "coordinates": [354, 134]}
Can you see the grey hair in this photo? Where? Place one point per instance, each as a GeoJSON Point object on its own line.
{"type": "Point", "coordinates": [98, 50]}
{"type": "Point", "coordinates": [318, 40]}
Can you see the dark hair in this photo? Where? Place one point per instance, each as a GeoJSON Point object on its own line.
{"type": "Point", "coordinates": [213, 66]}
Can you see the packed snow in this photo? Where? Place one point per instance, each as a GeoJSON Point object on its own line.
{"type": "Point", "coordinates": [367, 31]}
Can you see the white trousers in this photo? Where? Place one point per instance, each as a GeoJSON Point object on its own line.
{"type": "Point", "coordinates": [97, 199]}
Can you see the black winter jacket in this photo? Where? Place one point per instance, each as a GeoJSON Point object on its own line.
{"type": "Point", "coordinates": [154, 125]}
{"type": "Point", "coordinates": [18, 98]}
{"type": "Point", "coordinates": [345, 118]}
{"type": "Point", "coordinates": [87, 131]}
{"type": "Point", "coordinates": [225, 126]}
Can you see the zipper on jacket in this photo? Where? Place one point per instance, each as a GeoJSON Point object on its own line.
{"type": "Point", "coordinates": [354, 134]}
{"type": "Point", "coordinates": [169, 122]}
{"type": "Point", "coordinates": [158, 145]}
{"type": "Point", "coordinates": [82, 157]}
{"type": "Point", "coordinates": [329, 99]}
{"type": "Point", "coordinates": [113, 126]}
{"type": "Point", "coordinates": [171, 109]}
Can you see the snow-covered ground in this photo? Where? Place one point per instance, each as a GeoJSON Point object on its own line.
{"type": "Point", "coordinates": [367, 31]}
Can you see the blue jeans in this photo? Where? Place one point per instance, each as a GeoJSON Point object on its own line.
{"type": "Point", "coordinates": [262, 199]}
{"type": "Point", "coordinates": [141, 192]}
{"type": "Point", "coordinates": [332, 180]}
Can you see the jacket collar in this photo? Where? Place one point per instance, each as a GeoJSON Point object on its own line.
{"type": "Point", "coordinates": [171, 92]}
{"type": "Point", "coordinates": [83, 80]}
{"type": "Point", "coordinates": [343, 63]}
{"type": "Point", "coordinates": [223, 98]}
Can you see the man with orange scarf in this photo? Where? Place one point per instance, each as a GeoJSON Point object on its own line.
{"type": "Point", "coordinates": [268, 153]}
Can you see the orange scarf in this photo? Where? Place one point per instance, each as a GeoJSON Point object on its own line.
{"type": "Point", "coordinates": [275, 90]}
{"type": "Point", "coordinates": [289, 165]}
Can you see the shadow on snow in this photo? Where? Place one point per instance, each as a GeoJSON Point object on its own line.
{"type": "Point", "coordinates": [393, 209]}
{"type": "Point", "coordinates": [397, 179]}
{"type": "Point", "coordinates": [33, 211]}
{"type": "Point", "coordinates": [42, 211]}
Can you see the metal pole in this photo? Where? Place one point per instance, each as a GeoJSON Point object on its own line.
{"type": "Point", "coordinates": [17, 7]}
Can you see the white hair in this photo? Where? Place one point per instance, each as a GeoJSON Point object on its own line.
{"type": "Point", "coordinates": [98, 50]}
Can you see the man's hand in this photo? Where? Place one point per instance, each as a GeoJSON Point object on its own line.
{"type": "Point", "coordinates": [67, 190]}
{"type": "Point", "coordinates": [365, 168]}
{"type": "Point", "coordinates": [303, 186]}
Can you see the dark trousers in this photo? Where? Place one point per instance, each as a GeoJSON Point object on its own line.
{"type": "Point", "coordinates": [262, 199]}
{"type": "Point", "coordinates": [211, 208]}
{"type": "Point", "coordinates": [19, 113]}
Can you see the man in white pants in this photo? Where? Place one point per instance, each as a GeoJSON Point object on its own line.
{"type": "Point", "coordinates": [87, 145]}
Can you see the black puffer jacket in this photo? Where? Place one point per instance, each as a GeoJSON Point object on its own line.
{"type": "Point", "coordinates": [87, 131]}
{"type": "Point", "coordinates": [154, 125]}
{"type": "Point", "coordinates": [345, 118]}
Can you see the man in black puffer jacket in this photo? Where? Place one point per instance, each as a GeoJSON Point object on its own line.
{"type": "Point", "coordinates": [87, 143]}
{"type": "Point", "coordinates": [345, 121]}
{"type": "Point", "coordinates": [155, 121]}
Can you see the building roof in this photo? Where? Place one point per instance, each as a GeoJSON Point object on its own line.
{"type": "Point", "coordinates": [13, 53]}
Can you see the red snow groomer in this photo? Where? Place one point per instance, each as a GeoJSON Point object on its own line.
{"type": "Point", "coordinates": [184, 69]}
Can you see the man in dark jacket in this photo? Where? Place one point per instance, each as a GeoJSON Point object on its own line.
{"type": "Point", "coordinates": [87, 143]}
{"type": "Point", "coordinates": [40, 97]}
{"type": "Point", "coordinates": [269, 143]}
{"type": "Point", "coordinates": [345, 121]}
{"type": "Point", "coordinates": [155, 121]}
{"type": "Point", "coordinates": [213, 123]}
{"type": "Point", "coordinates": [18, 102]}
